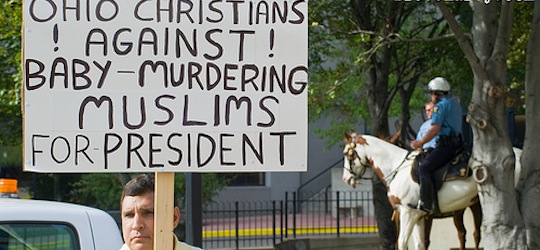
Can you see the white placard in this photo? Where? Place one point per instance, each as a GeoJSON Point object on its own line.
{"type": "Point", "coordinates": [156, 85]}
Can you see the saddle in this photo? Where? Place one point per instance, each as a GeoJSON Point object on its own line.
{"type": "Point", "coordinates": [456, 169]}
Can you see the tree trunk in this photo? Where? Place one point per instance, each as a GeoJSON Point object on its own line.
{"type": "Point", "coordinates": [383, 215]}
{"type": "Point", "coordinates": [377, 87]}
{"type": "Point", "coordinates": [492, 149]}
{"type": "Point", "coordinates": [377, 72]}
{"type": "Point", "coordinates": [377, 93]}
{"type": "Point", "coordinates": [529, 181]}
{"type": "Point", "coordinates": [492, 158]}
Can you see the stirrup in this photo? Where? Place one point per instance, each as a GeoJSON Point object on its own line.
{"type": "Point", "coordinates": [420, 206]}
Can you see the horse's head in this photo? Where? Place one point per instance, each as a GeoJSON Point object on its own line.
{"type": "Point", "coordinates": [355, 161]}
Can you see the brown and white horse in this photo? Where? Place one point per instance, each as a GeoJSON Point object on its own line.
{"type": "Point", "coordinates": [457, 216]}
{"type": "Point", "coordinates": [393, 165]}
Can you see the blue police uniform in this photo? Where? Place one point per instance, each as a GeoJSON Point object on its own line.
{"type": "Point", "coordinates": [446, 113]}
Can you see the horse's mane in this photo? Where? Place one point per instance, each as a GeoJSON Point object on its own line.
{"type": "Point", "coordinates": [382, 142]}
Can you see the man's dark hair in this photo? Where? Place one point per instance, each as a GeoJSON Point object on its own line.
{"type": "Point", "coordinates": [140, 185]}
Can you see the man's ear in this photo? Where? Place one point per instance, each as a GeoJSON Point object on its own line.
{"type": "Point", "coordinates": [176, 217]}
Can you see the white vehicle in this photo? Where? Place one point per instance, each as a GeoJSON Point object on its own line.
{"type": "Point", "coordinates": [48, 225]}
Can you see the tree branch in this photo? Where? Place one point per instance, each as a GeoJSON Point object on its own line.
{"type": "Point", "coordinates": [505, 27]}
{"type": "Point", "coordinates": [502, 44]}
{"type": "Point", "coordinates": [462, 40]}
{"type": "Point", "coordinates": [394, 38]}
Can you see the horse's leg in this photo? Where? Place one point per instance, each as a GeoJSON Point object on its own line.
{"type": "Point", "coordinates": [408, 218]}
{"type": "Point", "coordinates": [419, 233]}
{"type": "Point", "coordinates": [428, 221]}
{"type": "Point", "coordinates": [476, 209]}
{"type": "Point", "coordinates": [395, 218]}
{"type": "Point", "coordinates": [458, 222]}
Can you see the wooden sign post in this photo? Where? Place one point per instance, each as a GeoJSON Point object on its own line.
{"type": "Point", "coordinates": [163, 210]}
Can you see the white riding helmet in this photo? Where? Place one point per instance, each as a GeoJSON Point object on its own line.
{"type": "Point", "coordinates": [439, 84]}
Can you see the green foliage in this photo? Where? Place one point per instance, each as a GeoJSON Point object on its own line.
{"type": "Point", "coordinates": [341, 52]}
{"type": "Point", "coordinates": [335, 86]}
{"type": "Point", "coordinates": [97, 190]}
{"type": "Point", "coordinates": [517, 56]}
{"type": "Point", "coordinates": [10, 74]}
{"type": "Point", "coordinates": [10, 156]}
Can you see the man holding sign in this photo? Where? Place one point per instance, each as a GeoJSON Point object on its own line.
{"type": "Point", "coordinates": [137, 211]}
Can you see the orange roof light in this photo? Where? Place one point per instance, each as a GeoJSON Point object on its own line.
{"type": "Point", "coordinates": [8, 186]}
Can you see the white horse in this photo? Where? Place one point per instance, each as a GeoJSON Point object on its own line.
{"type": "Point", "coordinates": [393, 165]}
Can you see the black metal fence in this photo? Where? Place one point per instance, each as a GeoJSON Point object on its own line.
{"type": "Point", "coordinates": [244, 224]}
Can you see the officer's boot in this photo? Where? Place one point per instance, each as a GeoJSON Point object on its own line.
{"type": "Point", "coordinates": [426, 196]}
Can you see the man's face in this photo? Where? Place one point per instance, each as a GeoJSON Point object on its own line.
{"type": "Point", "coordinates": [138, 221]}
{"type": "Point", "coordinates": [433, 97]}
{"type": "Point", "coordinates": [429, 110]}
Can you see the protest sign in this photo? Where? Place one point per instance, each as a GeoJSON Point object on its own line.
{"type": "Point", "coordinates": [154, 85]}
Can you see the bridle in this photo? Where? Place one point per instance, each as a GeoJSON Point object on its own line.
{"type": "Point", "coordinates": [352, 155]}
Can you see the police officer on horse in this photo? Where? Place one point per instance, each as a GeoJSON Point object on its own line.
{"type": "Point", "coordinates": [446, 122]}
